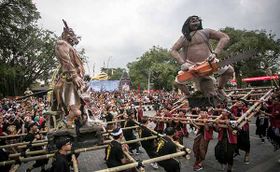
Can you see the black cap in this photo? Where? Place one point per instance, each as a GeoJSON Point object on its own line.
{"type": "Point", "coordinates": [169, 131]}
{"type": "Point", "coordinates": [61, 142]}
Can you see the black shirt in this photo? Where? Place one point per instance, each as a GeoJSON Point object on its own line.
{"type": "Point", "coordinates": [61, 163]}
{"type": "Point", "coordinates": [29, 138]}
{"type": "Point", "coordinates": [128, 134]}
{"type": "Point", "coordinates": [109, 117]}
{"type": "Point", "coordinates": [166, 147]}
{"type": "Point", "coordinates": [114, 154]}
{"type": "Point", "coordinates": [146, 143]}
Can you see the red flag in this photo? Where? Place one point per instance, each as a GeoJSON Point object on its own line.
{"type": "Point", "coordinates": [139, 88]}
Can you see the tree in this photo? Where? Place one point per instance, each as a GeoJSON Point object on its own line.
{"type": "Point", "coordinates": [156, 62]}
{"type": "Point", "coordinates": [266, 46]}
{"type": "Point", "coordinates": [116, 73]}
{"type": "Point", "coordinates": [163, 69]}
{"type": "Point", "coordinates": [26, 51]}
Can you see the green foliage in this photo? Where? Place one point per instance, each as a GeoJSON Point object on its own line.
{"type": "Point", "coordinates": [113, 73]}
{"type": "Point", "coordinates": [116, 73]}
{"type": "Point", "coordinates": [158, 63]}
{"type": "Point", "coordinates": [26, 51]}
{"type": "Point", "coordinates": [164, 69]}
{"type": "Point", "coordinates": [264, 43]}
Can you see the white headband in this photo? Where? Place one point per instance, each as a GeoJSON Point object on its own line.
{"type": "Point", "coordinates": [117, 133]}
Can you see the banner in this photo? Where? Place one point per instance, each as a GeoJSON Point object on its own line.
{"type": "Point", "coordinates": [104, 85]}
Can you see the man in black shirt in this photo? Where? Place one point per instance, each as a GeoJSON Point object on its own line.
{"type": "Point", "coordinates": [62, 161]}
{"type": "Point", "coordinates": [129, 134]}
{"type": "Point", "coordinates": [148, 145]}
{"type": "Point", "coordinates": [33, 135]}
{"type": "Point", "coordinates": [115, 150]}
{"type": "Point", "coordinates": [165, 147]}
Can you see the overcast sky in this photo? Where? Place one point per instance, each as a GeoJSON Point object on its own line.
{"type": "Point", "coordinates": [125, 29]}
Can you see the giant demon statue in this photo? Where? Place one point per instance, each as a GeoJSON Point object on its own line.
{"type": "Point", "coordinates": [69, 80]}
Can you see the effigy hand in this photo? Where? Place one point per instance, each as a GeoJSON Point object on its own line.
{"type": "Point", "coordinates": [79, 82]}
{"type": "Point", "coordinates": [212, 58]}
{"type": "Point", "coordinates": [187, 66]}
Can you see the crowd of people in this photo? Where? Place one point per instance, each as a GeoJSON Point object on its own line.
{"type": "Point", "coordinates": [230, 139]}
{"type": "Point", "coordinates": [17, 116]}
{"type": "Point", "coordinates": [27, 117]}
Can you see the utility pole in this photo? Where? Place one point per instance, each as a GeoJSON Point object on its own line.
{"type": "Point", "coordinates": [108, 61]}
{"type": "Point", "coordinates": [149, 81]}
{"type": "Point", "coordinates": [93, 69]}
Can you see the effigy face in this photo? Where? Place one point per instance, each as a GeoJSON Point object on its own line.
{"type": "Point", "coordinates": [71, 37]}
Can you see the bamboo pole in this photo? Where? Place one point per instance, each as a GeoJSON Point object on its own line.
{"type": "Point", "coordinates": [130, 158]}
{"type": "Point", "coordinates": [145, 162]}
{"type": "Point", "coordinates": [246, 95]}
{"type": "Point", "coordinates": [125, 128]}
{"type": "Point", "coordinates": [19, 135]}
{"type": "Point", "coordinates": [246, 101]}
{"type": "Point", "coordinates": [249, 116]}
{"type": "Point", "coordinates": [255, 88]}
{"type": "Point", "coordinates": [115, 121]}
{"type": "Point", "coordinates": [3, 163]}
{"type": "Point", "coordinates": [263, 98]}
{"type": "Point", "coordinates": [75, 163]}
{"type": "Point", "coordinates": [22, 143]}
{"type": "Point", "coordinates": [178, 107]}
{"type": "Point", "coordinates": [249, 93]}
{"type": "Point", "coordinates": [164, 119]}
{"type": "Point", "coordinates": [231, 93]}
{"type": "Point", "coordinates": [29, 153]}
{"type": "Point", "coordinates": [255, 91]}
{"type": "Point", "coordinates": [34, 145]}
{"type": "Point", "coordinates": [158, 134]}
{"type": "Point", "coordinates": [14, 168]}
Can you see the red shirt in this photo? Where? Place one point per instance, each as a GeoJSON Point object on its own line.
{"type": "Point", "coordinates": [159, 125]}
{"type": "Point", "coordinates": [208, 134]}
{"type": "Point", "coordinates": [275, 119]}
{"type": "Point", "coordinates": [140, 114]}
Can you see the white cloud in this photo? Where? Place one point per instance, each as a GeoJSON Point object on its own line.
{"type": "Point", "coordinates": [125, 29]}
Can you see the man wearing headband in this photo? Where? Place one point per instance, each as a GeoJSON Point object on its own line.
{"type": "Point", "coordinates": [201, 141]}
{"type": "Point", "coordinates": [243, 137]}
{"type": "Point", "coordinates": [148, 145]}
{"type": "Point", "coordinates": [114, 153]}
{"type": "Point", "coordinates": [227, 142]}
{"type": "Point", "coordinates": [129, 134]}
{"type": "Point", "coordinates": [195, 50]}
